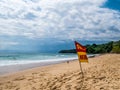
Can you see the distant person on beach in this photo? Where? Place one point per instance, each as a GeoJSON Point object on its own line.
{"type": "Point", "coordinates": [67, 62]}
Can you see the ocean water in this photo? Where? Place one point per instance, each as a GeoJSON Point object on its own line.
{"type": "Point", "coordinates": [14, 59]}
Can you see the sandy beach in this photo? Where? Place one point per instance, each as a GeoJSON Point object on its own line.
{"type": "Point", "coordinates": [101, 73]}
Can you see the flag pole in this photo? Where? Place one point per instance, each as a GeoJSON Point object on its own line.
{"type": "Point", "coordinates": [81, 69]}
{"type": "Point", "coordinates": [82, 74]}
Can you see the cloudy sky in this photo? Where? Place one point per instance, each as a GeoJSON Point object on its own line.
{"type": "Point", "coordinates": [50, 25]}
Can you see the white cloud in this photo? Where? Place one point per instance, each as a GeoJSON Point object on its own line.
{"type": "Point", "coordinates": [68, 19]}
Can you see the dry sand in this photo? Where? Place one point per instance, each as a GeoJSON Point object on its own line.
{"type": "Point", "coordinates": [101, 73]}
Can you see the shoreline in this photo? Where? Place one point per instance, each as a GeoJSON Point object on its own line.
{"type": "Point", "coordinates": [9, 69]}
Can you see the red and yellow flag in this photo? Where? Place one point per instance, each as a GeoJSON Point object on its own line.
{"type": "Point", "coordinates": [81, 51]}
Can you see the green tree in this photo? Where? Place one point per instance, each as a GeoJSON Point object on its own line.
{"type": "Point", "coordinates": [119, 43]}
{"type": "Point", "coordinates": [109, 47]}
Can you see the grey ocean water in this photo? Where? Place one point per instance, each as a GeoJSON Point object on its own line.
{"type": "Point", "coordinates": [15, 59]}
{"type": "Point", "coordinates": [10, 63]}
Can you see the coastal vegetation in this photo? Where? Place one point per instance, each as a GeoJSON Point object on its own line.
{"type": "Point", "coordinates": [110, 47]}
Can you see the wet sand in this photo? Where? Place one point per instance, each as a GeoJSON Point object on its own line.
{"type": "Point", "coordinates": [101, 73]}
{"type": "Point", "coordinates": [20, 67]}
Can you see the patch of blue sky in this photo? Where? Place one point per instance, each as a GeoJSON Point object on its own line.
{"type": "Point", "coordinates": [113, 4]}
{"type": "Point", "coordinates": [30, 16]}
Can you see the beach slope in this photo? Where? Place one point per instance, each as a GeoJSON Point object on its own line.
{"type": "Point", "coordinates": [101, 73]}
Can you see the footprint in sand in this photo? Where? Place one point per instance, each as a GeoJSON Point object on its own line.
{"type": "Point", "coordinates": [33, 88]}
{"type": "Point", "coordinates": [68, 87]}
{"type": "Point", "coordinates": [34, 73]}
{"type": "Point", "coordinates": [17, 88]}
{"type": "Point", "coordinates": [19, 78]}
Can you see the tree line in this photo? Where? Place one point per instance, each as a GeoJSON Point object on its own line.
{"type": "Point", "coordinates": [110, 47]}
